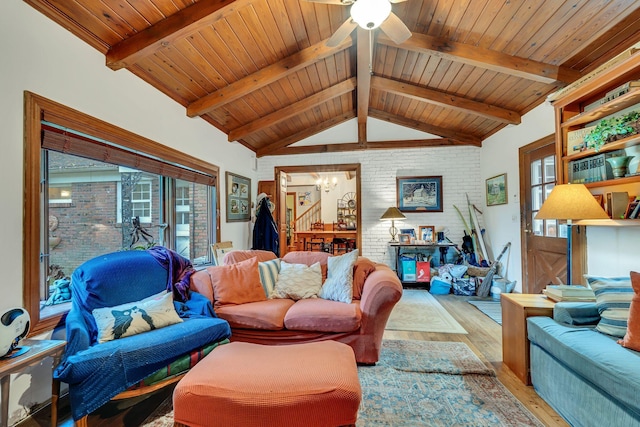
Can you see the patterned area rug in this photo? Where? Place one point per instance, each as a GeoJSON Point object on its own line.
{"type": "Point", "coordinates": [493, 309]}
{"type": "Point", "coordinates": [423, 383]}
{"type": "Point", "coordinates": [418, 310]}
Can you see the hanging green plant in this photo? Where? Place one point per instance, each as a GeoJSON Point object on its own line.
{"type": "Point", "coordinates": [612, 129]}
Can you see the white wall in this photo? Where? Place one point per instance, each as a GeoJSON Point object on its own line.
{"type": "Point", "coordinates": [40, 56]}
{"type": "Point", "coordinates": [458, 166]}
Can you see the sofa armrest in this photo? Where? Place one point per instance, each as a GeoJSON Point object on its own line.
{"type": "Point", "coordinates": [576, 313]}
{"type": "Point", "coordinates": [382, 290]}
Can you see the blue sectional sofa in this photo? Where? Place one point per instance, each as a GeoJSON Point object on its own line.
{"type": "Point", "coordinates": [584, 375]}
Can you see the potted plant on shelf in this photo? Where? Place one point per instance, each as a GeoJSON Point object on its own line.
{"type": "Point", "coordinates": [612, 129]}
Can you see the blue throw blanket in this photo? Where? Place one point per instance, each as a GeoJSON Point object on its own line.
{"type": "Point", "coordinates": [97, 372]}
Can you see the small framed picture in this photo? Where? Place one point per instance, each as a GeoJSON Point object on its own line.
{"type": "Point", "coordinates": [238, 197]}
{"type": "Point", "coordinates": [404, 238]}
{"type": "Point", "coordinates": [427, 233]}
{"type": "Point", "coordinates": [497, 190]}
{"type": "Point", "coordinates": [410, 231]}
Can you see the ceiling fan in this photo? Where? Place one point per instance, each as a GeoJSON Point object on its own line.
{"type": "Point", "coordinates": [369, 14]}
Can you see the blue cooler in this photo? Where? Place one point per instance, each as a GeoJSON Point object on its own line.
{"type": "Point", "coordinates": [439, 286]}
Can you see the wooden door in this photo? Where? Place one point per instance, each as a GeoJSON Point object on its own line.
{"type": "Point", "coordinates": [544, 243]}
{"type": "Point", "coordinates": [280, 214]}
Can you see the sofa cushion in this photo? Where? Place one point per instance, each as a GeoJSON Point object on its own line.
{"type": "Point", "coordinates": [236, 283]}
{"type": "Point", "coordinates": [591, 355]}
{"type": "Point", "coordinates": [265, 315]}
{"type": "Point", "coordinates": [308, 258]}
{"type": "Point", "coordinates": [132, 318]}
{"type": "Point", "coordinates": [362, 269]}
{"type": "Point", "coordinates": [339, 284]}
{"type": "Point", "coordinates": [613, 298]}
{"type": "Point", "coordinates": [298, 281]}
{"type": "Point", "coordinates": [236, 256]}
{"type": "Point", "coordinates": [323, 316]}
{"type": "Point", "coordinates": [269, 271]}
{"type": "Point", "coordinates": [632, 337]}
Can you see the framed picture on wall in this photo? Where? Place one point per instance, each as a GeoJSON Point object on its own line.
{"type": "Point", "coordinates": [497, 190]}
{"type": "Point", "coordinates": [419, 193]}
{"type": "Point", "coordinates": [238, 197]}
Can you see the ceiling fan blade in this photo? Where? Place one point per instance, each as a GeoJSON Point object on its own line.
{"type": "Point", "coordinates": [395, 29]}
{"type": "Point", "coordinates": [338, 2]}
{"type": "Point", "coordinates": [342, 33]}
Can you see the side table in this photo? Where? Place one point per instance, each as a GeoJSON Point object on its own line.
{"type": "Point", "coordinates": [38, 350]}
{"type": "Point", "coordinates": [515, 343]}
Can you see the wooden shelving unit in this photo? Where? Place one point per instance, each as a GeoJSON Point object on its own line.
{"type": "Point", "coordinates": [570, 116]}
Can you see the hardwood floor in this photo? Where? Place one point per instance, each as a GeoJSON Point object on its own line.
{"type": "Point", "coordinates": [484, 338]}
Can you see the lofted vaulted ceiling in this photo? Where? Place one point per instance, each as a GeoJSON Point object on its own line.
{"type": "Point", "coordinates": [262, 73]}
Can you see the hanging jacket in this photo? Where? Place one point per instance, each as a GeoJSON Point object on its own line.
{"type": "Point", "coordinates": [265, 232]}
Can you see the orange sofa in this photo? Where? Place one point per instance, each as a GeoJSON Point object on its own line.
{"type": "Point", "coordinates": [360, 324]}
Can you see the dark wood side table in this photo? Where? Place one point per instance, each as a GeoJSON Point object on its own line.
{"type": "Point", "coordinates": [515, 343]}
{"type": "Point", "coordinates": [38, 350]}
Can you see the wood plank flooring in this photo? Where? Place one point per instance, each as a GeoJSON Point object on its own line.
{"type": "Point", "coordinates": [484, 338]}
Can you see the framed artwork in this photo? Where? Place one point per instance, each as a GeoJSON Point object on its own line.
{"type": "Point", "coordinates": [427, 233]}
{"type": "Point", "coordinates": [404, 238]}
{"type": "Point", "coordinates": [238, 198]}
{"type": "Point", "coordinates": [419, 193]}
{"type": "Point", "coordinates": [497, 190]}
{"type": "Point", "coordinates": [410, 231]}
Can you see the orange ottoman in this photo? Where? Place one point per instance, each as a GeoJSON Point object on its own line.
{"type": "Point", "coordinates": [243, 384]}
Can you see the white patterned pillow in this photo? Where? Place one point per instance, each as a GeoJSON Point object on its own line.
{"type": "Point", "coordinates": [298, 281]}
{"type": "Point", "coordinates": [613, 299]}
{"type": "Point", "coordinates": [339, 283]}
{"type": "Point", "coordinates": [269, 274]}
{"type": "Point", "coordinates": [154, 312]}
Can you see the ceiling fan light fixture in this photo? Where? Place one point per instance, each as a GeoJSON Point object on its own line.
{"type": "Point", "coordinates": [369, 14]}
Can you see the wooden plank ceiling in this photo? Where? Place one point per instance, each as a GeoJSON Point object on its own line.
{"type": "Point", "coordinates": [260, 71]}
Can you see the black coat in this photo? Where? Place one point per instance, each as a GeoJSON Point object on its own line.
{"type": "Point", "coordinates": [265, 231]}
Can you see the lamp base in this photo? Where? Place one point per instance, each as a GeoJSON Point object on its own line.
{"type": "Point", "coordinates": [394, 232]}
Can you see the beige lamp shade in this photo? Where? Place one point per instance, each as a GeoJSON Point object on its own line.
{"type": "Point", "coordinates": [392, 213]}
{"type": "Point", "coordinates": [571, 202]}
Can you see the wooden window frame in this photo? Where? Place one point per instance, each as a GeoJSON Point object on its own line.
{"type": "Point", "coordinates": [37, 109]}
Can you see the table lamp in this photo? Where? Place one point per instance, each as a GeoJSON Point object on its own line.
{"type": "Point", "coordinates": [570, 202]}
{"type": "Point", "coordinates": [393, 213]}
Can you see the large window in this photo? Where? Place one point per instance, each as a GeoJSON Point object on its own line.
{"type": "Point", "coordinates": [92, 188]}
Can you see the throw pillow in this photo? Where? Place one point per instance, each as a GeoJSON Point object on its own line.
{"type": "Point", "coordinates": [269, 274]}
{"type": "Point", "coordinates": [361, 271]}
{"type": "Point", "coordinates": [154, 312]}
{"type": "Point", "coordinates": [298, 281]}
{"type": "Point", "coordinates": [613, 298]}
{"type": "Point", "coordinates": [339, 283]}
{"type": "Point", "coordinates": [236, 283]}
{"type": "Point", "coordinates": [632, 337]}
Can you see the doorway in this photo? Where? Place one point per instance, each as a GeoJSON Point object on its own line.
{"type": "Point", "coordinates": [544, 242]}
{"type": "Point", "coordinates": [284, 174]}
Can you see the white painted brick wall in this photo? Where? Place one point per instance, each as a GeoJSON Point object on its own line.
{"type": "Point", "coordinates": [458, 166]}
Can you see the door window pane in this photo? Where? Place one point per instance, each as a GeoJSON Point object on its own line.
{"type": "Point", "coordinates": [536, 172]}
{"type": "Point", "coordinates": [550, 169]}
{"type": "Point", "coordinates": [193, 203]}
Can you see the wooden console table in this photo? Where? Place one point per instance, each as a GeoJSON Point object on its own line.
{"type": "Point", "coordinates": [419, 247]}
{"type": "Point", "coordinates": [38, 350]}
{"type": "Point", "coordinates": [515, 343]}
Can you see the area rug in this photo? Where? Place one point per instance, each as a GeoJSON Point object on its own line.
{"type": "Point", "coordinates": [423, 383]}
{"type": "Point", "coordinates": [418, 310]}
{"type": "Point", "coordinates": [490, 308]}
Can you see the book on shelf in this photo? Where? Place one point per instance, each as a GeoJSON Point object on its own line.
{"type": "Point", "coordinates": [589, 169]}
{"type": "Point", "coordinates": [575, 139]}
{"type": "Point", "coordinates": [617, 202]}
{"type": "Point", "coordinates": [636, 210]}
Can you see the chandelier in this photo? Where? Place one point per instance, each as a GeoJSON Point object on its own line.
{"type": "Point", "coordinates": [325, 184]}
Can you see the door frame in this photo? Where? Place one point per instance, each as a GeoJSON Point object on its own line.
{"type": "Point", "coordinates": [346, 167]}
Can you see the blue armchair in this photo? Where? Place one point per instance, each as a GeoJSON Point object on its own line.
{"type": "Point", "coordinates": [97, 372]}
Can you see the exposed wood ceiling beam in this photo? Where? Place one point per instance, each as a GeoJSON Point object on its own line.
{"type": "Point", "coordinates": [364, 82]}
{"type": "Point", "coordinates": [445, 100]}
{"type": "Point", "coordinates": [174, 27]}
{"type": "Point", "coordinates": [425, 127]}
{"type": "Point", "coordinates": [355, 146]}
{"type": "Point", "coordinates": [265, 76]}
{"type": "Point", "coordinates": [486, 58]}
{"type": "Point", "coordinates": [293, 109]}
{"type": "Point", "coordinates": [306, 133]}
